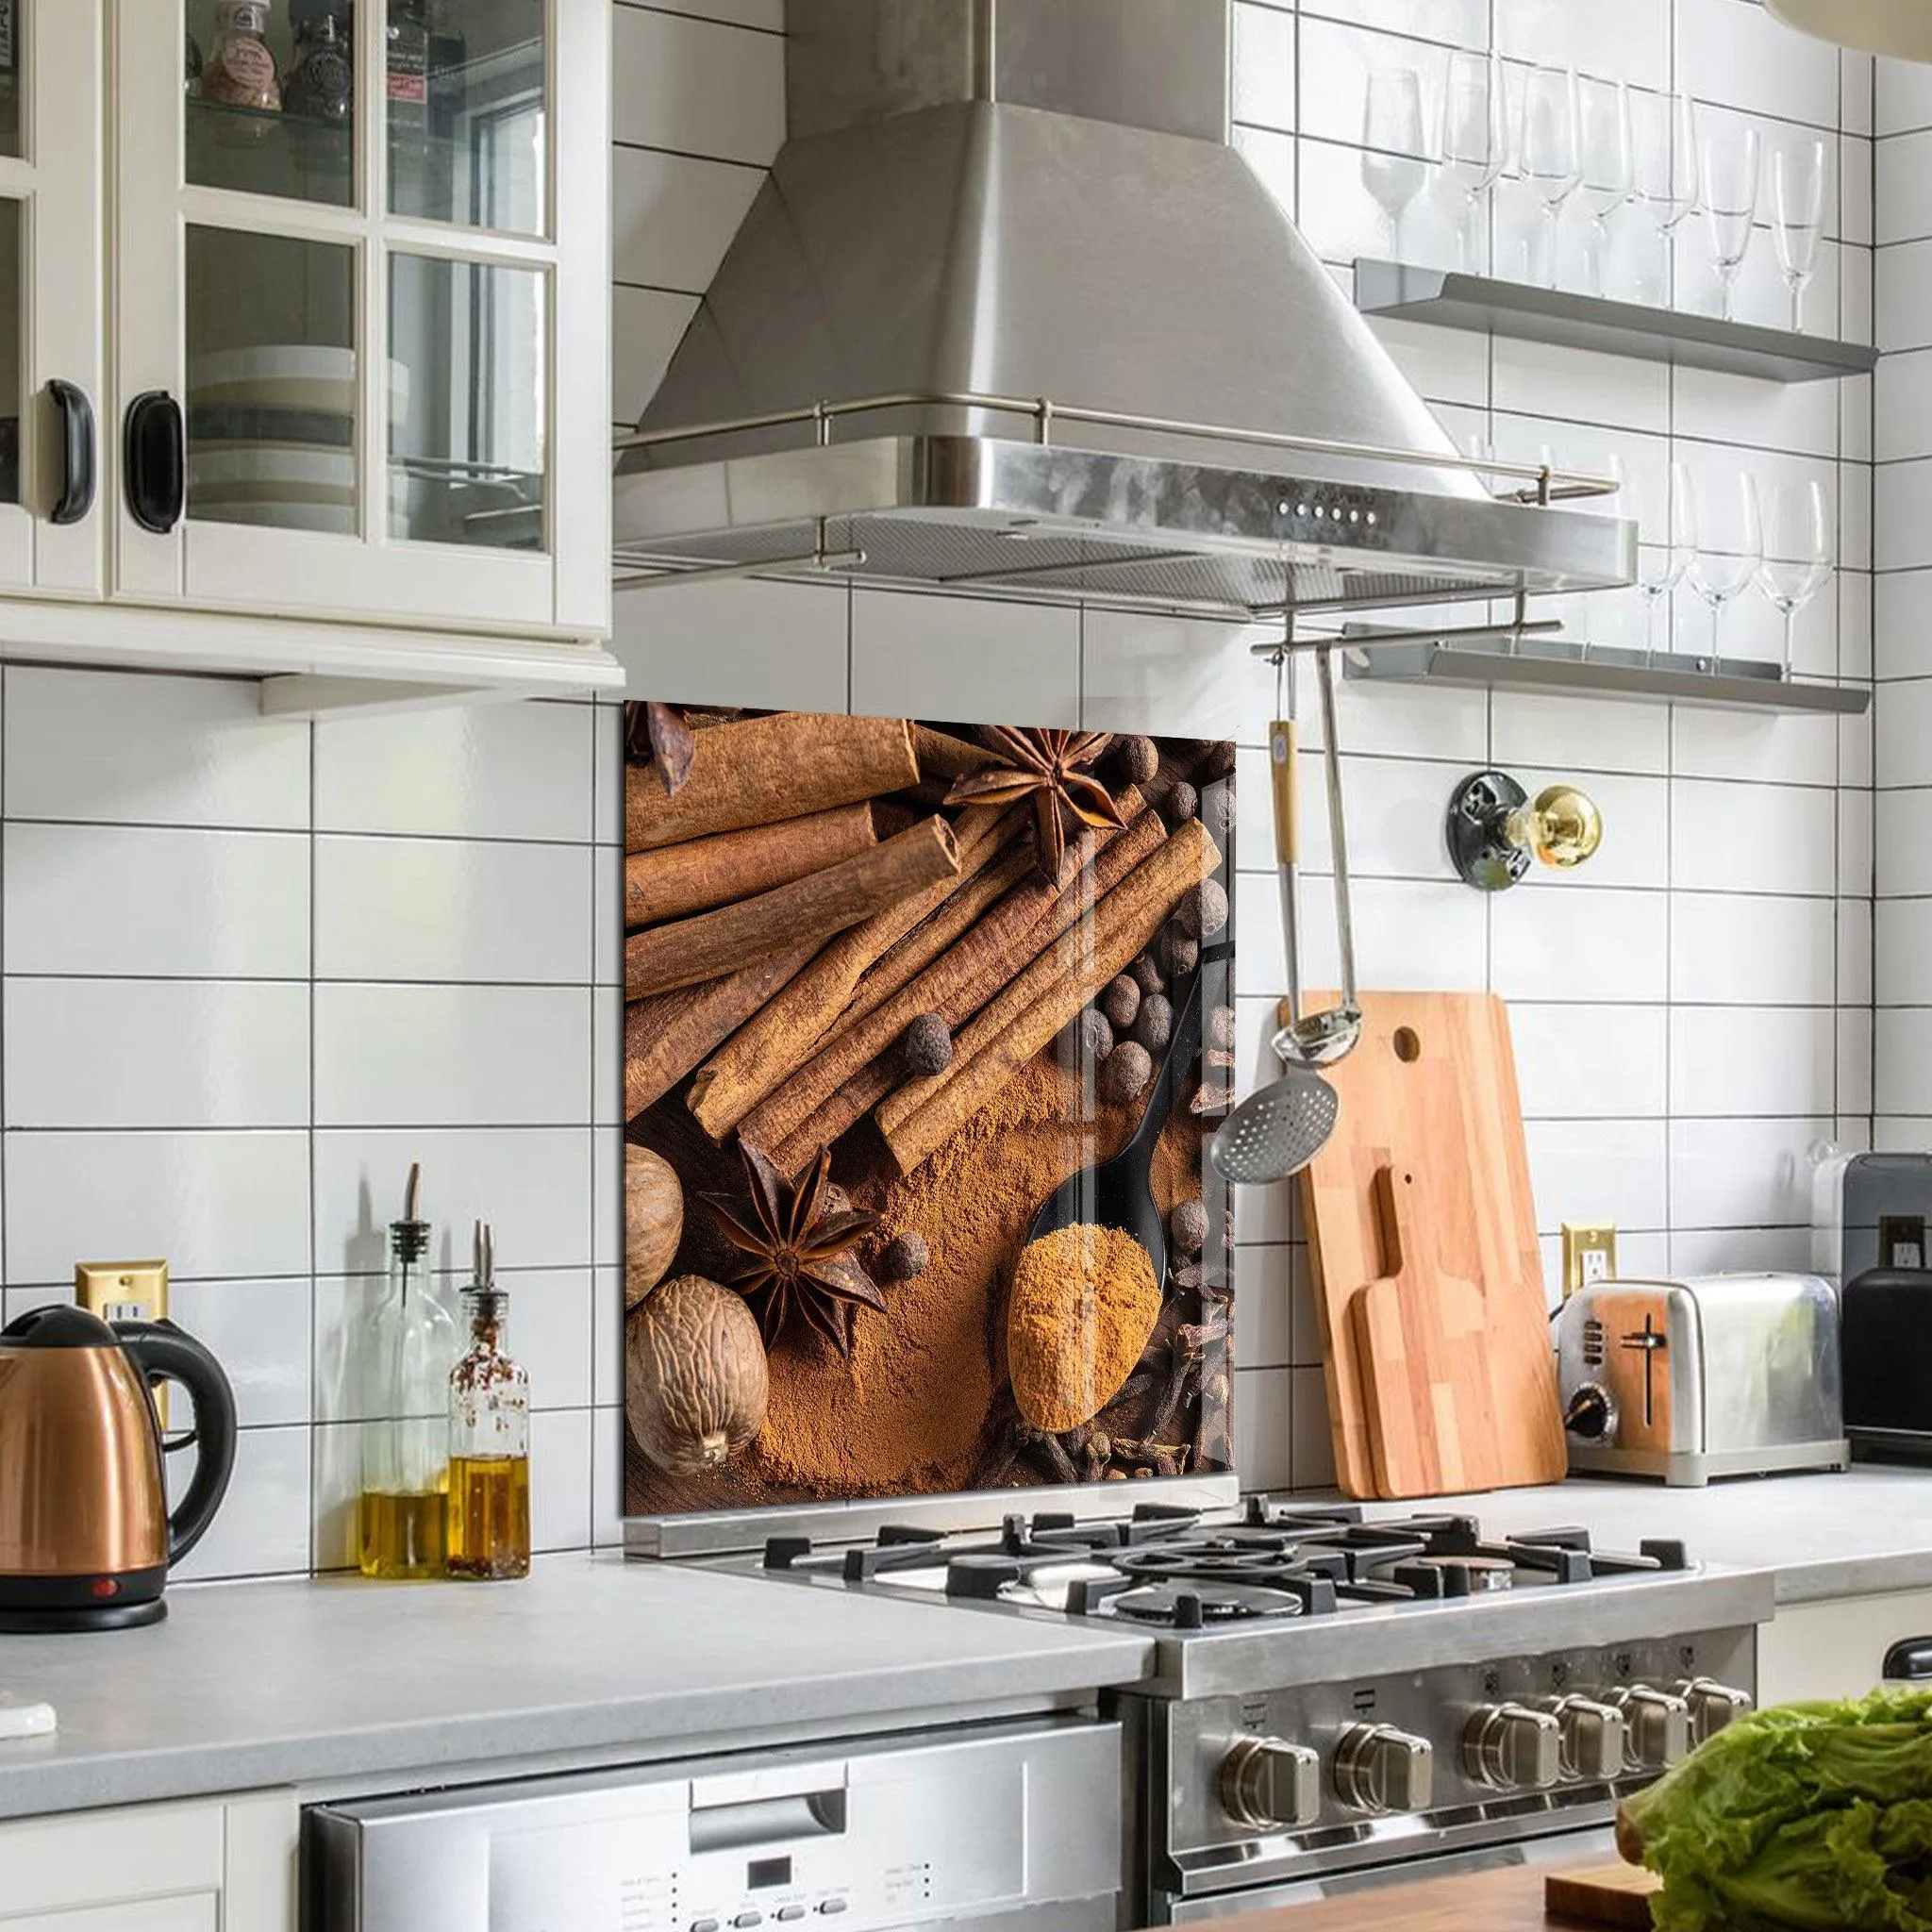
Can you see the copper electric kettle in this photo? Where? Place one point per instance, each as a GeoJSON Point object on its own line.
{"type": "Point", "coordinates": [86, 1536]}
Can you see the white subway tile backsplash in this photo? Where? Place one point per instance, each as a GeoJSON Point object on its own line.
{"type": "Point", "coordinates": [1598, 1171]}
{"type": "Point", "coordinates": [1902, 96]}
{"type": "Point", "coordinates": [1792, 847]}
{"type": "Point", "coordinates": [1265, 67]}
{"type": "Point", "coordinates": [261, 1528]}
{"type": "Point", "coordinates": [1410, 937]}
{"type": "Point", "coordinates": [1144, 672]}
{"type": "Point", "coordinates": [737, 112]}
{"type": "Point", "coordinates": [1745, 1060]}
{"type": "Point", "coordinates": [1903, 293]}
{"type": "Point", "coordinates": [259, 1333]}
{"type": "Point", "coordinates": [1901, 730]}
{"type": "Point", "coordinates": [673, 217]}
{"type": "Point", "coordinates": [1750, 950]}
{"type": "Point", "coordinates": [1265, 1413]}
{"type": "Point", "coordinates": [1263, 1307]}
{"type": "Point", "coordinates": [1589, 1063]}
{"type": "Point", "coordinates": [1732, 1174]}
{"type": "Point", "coordinates": [1902, 192]}
{"type": "Point", "coordinates": [974, 661]}
{"type": "Point", "coordinates": [1393, 807]}
{"type": "Point", "coordinates": [788, 644]}
{"type": "Point", "coordinates": [1740, 744]}
{"type": "Point", "coordinates": [1599, 946]}
{"type": "Point", "coordinates": [561, 1479]}
{"type": "Point", "coordinates": [1599, 737]}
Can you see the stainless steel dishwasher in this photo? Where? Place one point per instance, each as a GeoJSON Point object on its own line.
{"type": "Point", "coordinates": [1005, 1827]}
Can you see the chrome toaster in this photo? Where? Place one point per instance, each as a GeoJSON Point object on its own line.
{"type": "Point", "coordinates": [1715, 1375]}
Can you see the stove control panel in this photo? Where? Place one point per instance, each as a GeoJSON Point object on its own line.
{"type": "Point", "coordinates": [1378, 1768]}
{"type": "Point", "coordinates": [1272, 1785]}
{"type": "Point", "coordinates": [1511, 1748]}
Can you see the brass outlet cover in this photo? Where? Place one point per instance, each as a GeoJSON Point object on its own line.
{"type": "Point", "coordinates": [126, 1291]}
{"type": "Point", "coordinates": [1590, 1253]}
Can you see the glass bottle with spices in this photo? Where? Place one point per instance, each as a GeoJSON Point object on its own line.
{"type": "Point", "coordinates": [404, 1507]}
{"type": "Point", "coordinates": [239, 71]}
{"type": "Point", "coordinates": [489, 1438]}
{"type": "Point", "coordinates": [322, 82]}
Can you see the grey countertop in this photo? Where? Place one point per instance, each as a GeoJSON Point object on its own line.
{"type": "Point", "coordinates": [248, 1686]}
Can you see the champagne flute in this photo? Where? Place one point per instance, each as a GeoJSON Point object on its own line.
{"type": "Point", "coordinates": [1475, 141]}
{"type": "Point", "coordinates": [1728, 169]}
{"type": "Point", "coordinates": [1603, 145]}
{"type": "Point", "coordinates": [1393, 167]}
{"type": "Point", "coordinates": [1551, 157]}
{"type": "Point", "coordinates": [1797, 551]}
{"type": "Point", "coordinates": [1663, 163]}
{"type": "Point", "coordinates": [1730, 547]}
{"type": "Point", "coordinates": [1797, 207]}
{"type": "Point", "coordinates": [1660, 565]}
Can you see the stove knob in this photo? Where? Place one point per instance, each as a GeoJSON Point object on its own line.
{"type": "Point", "coordinates": [1378, 1768]}
{"type": "Point", "coordinates": [1712, 1705]}
{"type": "Point", "coordinates": [1656, 1727]}
{"type": "Point", "coordinates": [1269, 1785]}
{"type": "Point", "coordinates": [1510, 1747]}
{"type": "Point", "coordinates": [1593, 1735]}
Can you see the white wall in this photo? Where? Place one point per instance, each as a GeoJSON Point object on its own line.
{"type": "Point", "coordinates": [251, 971]}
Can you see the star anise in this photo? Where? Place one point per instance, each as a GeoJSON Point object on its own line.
{"type": "Point", "coordinates": [1046, 767]}
{"type": "Point", "coordinates": [801, 1253]}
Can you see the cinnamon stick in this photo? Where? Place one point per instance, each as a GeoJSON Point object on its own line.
{"type": "Point", "coordinates": [1058, 983]}
{"type": "Point", "coordinates": [774, 1042]}
{"type": "Point", "coordinates": [666, 1037]}
{"type": "Point", "coordinates": [671, 881]}
{"type": "Point", "coordinates": [814, 907]}
{"type": "Point", "coordinates": [942, 755]}
{"type": "Point", "coordinates": [856, 1069]}
{"type": "Point", "coordinates": [761, 770]}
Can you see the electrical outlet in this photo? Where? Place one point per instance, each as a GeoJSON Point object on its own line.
{"type": "Point", "coordinates": [125, 1291]}
{"type": "Point", "coordinates": [1590, 1253]}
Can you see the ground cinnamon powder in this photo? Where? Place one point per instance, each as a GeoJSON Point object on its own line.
{"type": "Point", "coordinates": [1085, 1303]}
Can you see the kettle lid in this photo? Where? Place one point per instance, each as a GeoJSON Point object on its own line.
{"type": "Point", "coordinates": [59, 1324]}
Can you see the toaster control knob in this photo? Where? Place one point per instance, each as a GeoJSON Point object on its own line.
{"type": "Point", "coordinates": [1269, 1785]}
{"type": "Point", "coordinates": [1511, 1748]}
{"type": "Point", "coordinates": [1590, 1414]}
{"type": "Point", "coordinates": [1656, 1727]}
{"type": "Point", "coordinates": [1712, 1705]}
{"type": "Point", "coordinates": [1378, 1768]}
{"type": "Point", "coordinates": [1591, 1737]}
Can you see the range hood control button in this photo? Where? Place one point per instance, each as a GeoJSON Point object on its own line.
{"type": "Point", "coordinates": [1510, 1748]}
{"type": "Point", "coordinates": [1378, 1768]}
{"type": "Point", "coordinates": [1268, 1785]}
{"type": "Point", "coordinates": [1592, 1737]}
{"type": "Point", "coordinates": [1656, 1727]}
{"type": "Point", "coordinates": [1712, 1705]}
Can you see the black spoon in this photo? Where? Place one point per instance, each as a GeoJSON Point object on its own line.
{"type": "Point", "coordinates": [1116, 1192]}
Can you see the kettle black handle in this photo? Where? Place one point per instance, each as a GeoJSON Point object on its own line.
{"type": "Point", "coordinates": [1909, 1660]}
{"type": "Point", "coordinates": [164, 1353]}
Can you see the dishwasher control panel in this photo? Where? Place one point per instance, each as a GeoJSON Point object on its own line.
{"type": "Point", "coordinates": [1001, 1820]}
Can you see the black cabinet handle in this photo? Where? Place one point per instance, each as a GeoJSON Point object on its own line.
{"type": "Point", "coordinates": [1909, 1660]}
{"type": "Point", "coordinates": [157, 461]}
{"type": "Point", "coordinates": [76, 415]}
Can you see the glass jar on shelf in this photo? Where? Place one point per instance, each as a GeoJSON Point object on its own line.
{"type": "Point", "coordinates": [240, 70]}
{"type": "Point", "coordinates": [489, 1438]}
{"type": "Point", "coordinates": [320, 84]}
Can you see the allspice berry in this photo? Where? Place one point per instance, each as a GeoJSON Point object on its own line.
{"type": "Point", "coordinates": [1128, 1070]}
{"type": "Point", "coordinates": [1146, 973]}
{"type": "Point", "coordinates": [928, 1045]}
{"type": "Point", "coordinates": [1153, 1022]}
{"type": "Point", "coordinates": [1217, 758]}
{"type": "Point", "coordinates": [1179, 952]}
{"type": "Point", "coordinates": [1120, 1000]}
{"type": "Point", "coordinates": [1092, 1035]}
{"type": "Point", "coordinates": [1221, 1028]}
{"type": "Point", "coordinates": [1136, 759]}
{"type": "Point", "coordinates": [1189, 1225]}
{"type": "Point", "coordinates": [1204, 912]}
{"type": "Point", "coordinates": [1182, 803]}
{"type": "Point", "coordinates": [1218, 811]}
{"type": "Point", "coordinates": [907, 1256]}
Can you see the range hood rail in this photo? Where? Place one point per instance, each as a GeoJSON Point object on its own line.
{"type": "Point", "coordinates": [1545, 484]}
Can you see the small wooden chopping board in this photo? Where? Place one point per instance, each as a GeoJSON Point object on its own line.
{"type": "Point", "coordinates": [1604, 1895]}
{"type": "Point", "coordinates": [1422, 1339]}
{"type": "Point", "coordinates": [1434, 1073]}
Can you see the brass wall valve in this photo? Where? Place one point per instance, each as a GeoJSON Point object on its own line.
{"type": "Point", "coordinates": [1495, 830]}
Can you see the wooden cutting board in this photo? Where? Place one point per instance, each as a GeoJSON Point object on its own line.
{"type": "Point", "coordinates": [1422, 1339]}
{"type": "Point", "coordinates": [1604, 1895]}
{"type": "Point", "coordinates": [1434, 1075]}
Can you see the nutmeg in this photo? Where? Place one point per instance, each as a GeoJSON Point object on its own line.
{"type": "Point", "coordinates": [1217, 810]}
{"type": "Point", "coordinates": [694, 1376]}
{"type": "Point", "coordinates": [1120, 1000]}
{"type": "Point", "coordinates": [1146, 973]}
{"type": "Point", "coordinates": [1189, 1225]}
{"type": "Point", "coordinates": [1217, 758]}
{"type": "Point", "coordinates": [904, 1258]}
{"type": "Point", "coordinates": [1090, 1038]}
{"type": "Point", "coordinates": [1136, 759]}
{"type": "Point", "coordinates": [1179, 952]}
{"type": "Point", "coordinates": [1128, 1070]}
{"type": "Point", "coordinates": [1204, 912]}
{"type": "Point", "coordinates": [652, 1220]}
{"type": "Point", "coordinates": [927, 1047]}
{"type": "Point", "coordinates": [1180, 805]}
{"type": "Point", "coordinates": [1155, 1022]}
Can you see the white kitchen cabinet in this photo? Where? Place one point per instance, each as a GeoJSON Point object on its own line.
{"type": "Point", "coordinates": [212, 1865]}
{"type": "Point", "coordinates": [1836, 1649]}
{"type": "Point", "coordinates": [348, 372]}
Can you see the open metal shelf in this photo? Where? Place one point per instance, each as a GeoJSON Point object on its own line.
{"type": "Point", "coordinates": [1558, 668]}
{"type": "Point", "coordinates": [1453, 300]}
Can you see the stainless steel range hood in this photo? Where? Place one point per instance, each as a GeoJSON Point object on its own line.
{"type": "Point", "coordinates": [1010, 315]}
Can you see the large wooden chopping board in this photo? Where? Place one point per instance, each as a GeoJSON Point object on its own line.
{"type": "Point", "coordinates": [1434, 1075]}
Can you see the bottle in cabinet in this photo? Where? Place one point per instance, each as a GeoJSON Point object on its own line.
{"type": "Point", "coordinates": [489, 1438]}
{"type": "Point", "coordinates": [403, 1510]}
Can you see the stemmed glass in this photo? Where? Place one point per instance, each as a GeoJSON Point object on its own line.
{"type": "Point", "coordinates": [1728, 169]}
{"type": "Point", "coordinates": [1660, 566]}
{"type": "Point", "coordinates": [1730, 547]}
{"type": "Point", "coordinates": [1474, 143]}
{"type": "Point", "coordinates": [1797, 207]}
{"type": "Point", "coordinates": [1392, 168]}
{"type": "Point", "coordinates": [1663, 138]}
{"type": "Point", "coordinates": [1797, 552]}
{"type": "Point", "coordinates": [1604, 142]}
{"type": "Point", "coordinates": [1552, 154]}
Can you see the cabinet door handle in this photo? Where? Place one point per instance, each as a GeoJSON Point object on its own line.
{"type": "Point", "coordinates": [157, 461]}
{"type": "Point", "coordinates": [76, 415]}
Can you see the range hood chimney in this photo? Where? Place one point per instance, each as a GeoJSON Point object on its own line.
{"type": "Point", "coordinates": [1010, 315]}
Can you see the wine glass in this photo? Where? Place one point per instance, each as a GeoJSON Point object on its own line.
{"type": "Point", "coordinates": [1730, 546]}
{"type": "Point", "coordinates": [1660, 565]}
{"type": "Point", "coordinates": [1603, 144]}
{"type": "Point", "coordinates": [1728, 170]}
{"type": "Point", "coordinates": [1797, 551]}
{"type": "Point", "coordinates": [1551, 156]}
{"type": "Point", "coordinates": [1392, 168]}
{"type": "Point", "coordinates": [1797, 207]}
{"type": "Point", "coordinates": [1474, 143]}
{"type": "Point", "coordinates": [1663, 163]}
